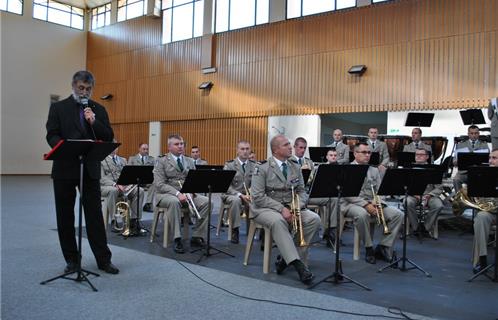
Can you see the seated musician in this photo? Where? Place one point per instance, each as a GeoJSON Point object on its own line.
{"type": "Point", "coordinates": [341, 148]}
{"type": "Point", "coordinates": [416, 143]}
{"type": "Point", "coordinates": [143, 159]}
{"type": "Point", "coordinates": [363, 211]}
{"type": "Point", "coordinates": [170, 172]}
{"type": "Point", "coordinates": [329, 213]}
{"type": "Point", "coordinates": [237, 194]}
{"type": "Point", "coordinates": [271, 201]}
{"type": "Point", "coordinates": [300, 145]}
{"type": "Point", "coordinates": [111, 168]}
{"type": "Point", "coordinates": [430, 200]}
{"type": "Point", "coordinates": [472, 144]}
{"type": "Point", "coordinates": [378, 146]}
{"type": "Point", "coordinates": [195, 153]}
{"type": "Point", "coordinates": [482, 223]}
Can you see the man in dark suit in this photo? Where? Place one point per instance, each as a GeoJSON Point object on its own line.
{"type": "Point", "coordinates": [77, 117]}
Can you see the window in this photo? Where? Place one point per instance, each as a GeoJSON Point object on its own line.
{"type": "Point", "coordinates": [101, 16]}
{"type": "Point", "coordinates": [129, 9]}
{"type": "Point", "coordinates": [14, 6]}
{"type": "Point", "coordinates": [236, 14]}
{"type": "Point", "coordinates": [299, 8]}
{"type": "Point", "coordinates": [56, 12]}
{"type": "Point", "coordinates": [182, 19]}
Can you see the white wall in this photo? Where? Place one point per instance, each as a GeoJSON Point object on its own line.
{"type": "Point", "coordinates": [295, 126]}
{"type": "Point", "coordinates": [37, 59]}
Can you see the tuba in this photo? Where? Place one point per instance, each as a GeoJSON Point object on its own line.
{"type": "Point", "coordinates": [381, 220]}
{"type": "Point", "coordinates": [123, 211]}
{"type": "Point", "coordinates": [462, 201]}
{"type": "Point", "coordinates": [297, 221]}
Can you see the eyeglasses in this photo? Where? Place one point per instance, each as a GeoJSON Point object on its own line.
{"type": "Point", "coordinates": [364, 152]}
{"type": "Point", "coordinates": [84, 88]}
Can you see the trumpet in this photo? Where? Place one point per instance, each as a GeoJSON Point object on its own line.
{"type": "Point", "coordinates": [380, 211]}
{"type": "Point", "coordinates": [194, 213]}
{"type": "Point", "coordinates": [248, 191]}
{"type": "Point", "coordinates": [297, 222]}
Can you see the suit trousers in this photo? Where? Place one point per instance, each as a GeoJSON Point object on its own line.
{"type": "Point", "coordinates": [362, 220]}
{"type": "Point", "coordinates": [435, 206]}
{"type": "Point", "coordinates": [482, 227]}
{"type": "Point", "coordinates": [280, 232]}
{"type": "Point", "coordinates": [174, 213]}
{"type": "Point", "coordinates": [329, 212]}
{"type": "Point", "coordinates": [65, 196]}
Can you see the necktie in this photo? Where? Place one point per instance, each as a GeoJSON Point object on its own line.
{"type": "Point", "coordinates": [373, 145]}
{"type": "Point", "coordinates": [473, 144]}
{"type": "Point", "coordinates": [416, 145]}
{"type": "Point", "coordinates": [300, 161]}
{"type": "Point", "coordinates": [179, 162]}
{"type": "Point", "coordinates": [115, 159]}
{"type": "Point", "coordinates": [143, 161]}
{"type": "Point", "coordinates": [284, 169]}
{"type": "Point", "coordinates": [244, 167]}
{"type": "Point", "coordinates": [82, 118]}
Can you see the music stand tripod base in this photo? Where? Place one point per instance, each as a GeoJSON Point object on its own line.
{"type": "Point", "coordinates": [80, 277]}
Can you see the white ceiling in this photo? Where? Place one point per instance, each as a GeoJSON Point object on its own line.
{"type": "Point", "coordinates": [86, 4]}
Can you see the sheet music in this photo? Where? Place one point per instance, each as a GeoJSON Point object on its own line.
{"type": "Point", "coordinates": [481, 151]}
{"type": "Point", "coordinates": [457, 151]}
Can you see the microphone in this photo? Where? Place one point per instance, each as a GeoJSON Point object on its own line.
{"type": "Point", "coordinates": [84, 104]}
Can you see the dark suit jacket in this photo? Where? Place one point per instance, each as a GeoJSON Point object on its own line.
{"type": "Point", "coordinates": [64, 123]}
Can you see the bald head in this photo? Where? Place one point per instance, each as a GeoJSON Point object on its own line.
{"type": "Point", "coordinates": [281, 147]}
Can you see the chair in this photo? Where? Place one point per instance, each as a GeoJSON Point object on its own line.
{"type": "Point", "coordinates": [253, 226]}
{"type": "Point", "coordinates": [224, 208]}
{"type": "Point", "coordinates": [158, 212]}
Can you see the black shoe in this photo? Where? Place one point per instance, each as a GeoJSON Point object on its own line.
{"type": "Point", "coordinates": [71, 267]}
{"type": "Point", "coordinates": [196, 242]}
{"type": "Point", "coordinates": [370, 256]}
{"type": "Point", "coordinates": [280, 264]}
{"type": "Point", "coordinates": [148, 207]}
{"type": "Point", "coordinates": [304, 273]}
{"type": "Point", "coordinates": [383, 253]}
{"type": "Point", "coordinates": [109, 268]}
{"type": "Point", "coordinates": [483, 263]}
{"type": "Point", "coordinates": [179, 246]}
{"type": "Point", "coordinates": [235, 236]}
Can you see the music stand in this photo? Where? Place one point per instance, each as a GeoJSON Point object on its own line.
{"type": "Point", "coordinates": [319, 154]}
{"type": "Point", "coordinates": [419, 119]}
{"type": "Point", "coordinates": [208, 167]}
{"type": "Point", "coordinates": [138, 175]}
{"type": "Point", "coordinates": [405, 159]}
{"type": "Point", "coordinates": [338, 181]}
{"type": "Point", "coordinates": [208, 181]}
{"type": "Point", "coordinates": [81, 150]}
{"type": "Point", "coordinates": [483, 182]}
{"type": "Point", "coordinates": [406, 182]}
{"type": "Point", "coordinates": [467, 159]}
{"type": "Point", "coordinates": [472, 116]}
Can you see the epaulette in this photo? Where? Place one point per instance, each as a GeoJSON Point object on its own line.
{"type": "Point", "coordinates": [230, 161]}
{"type": "Point", "coordinates": [252, 161]}
{"type": "Point", "coordinates": [261, 162]}
{"type": "Point", "coordinates": [162, 155]}
{"type": "Point", "coordinates": [294, 160]}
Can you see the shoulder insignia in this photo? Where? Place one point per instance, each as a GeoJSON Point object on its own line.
{"type": "Point", "coordinates": [294, 160]}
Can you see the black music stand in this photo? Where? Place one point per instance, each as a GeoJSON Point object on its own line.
{"type": "Point", "coordinates": [208, 181]}
{"type": "Point", "coordinates": [405, 159]}
{"type": "Point", "coordinates": [406, 182]}
{"type": "Point", "coordinates": [419, 119]}
{"type": "Point", "coordinates": [319, 154]}
{"type": "Point", "coordinates": [467, 159]}
{"type": "Point", "coordinates": [483, 182]}
{"type": "Point", "coordinates": [208, 167]}
{"type": "Point", "coordinates": [81, 150]}
{"type": "Point", "coordinates": [338, 181]}
{"type": "Point", "coordinates": [139, 175]}
{"type": "Point", "coordinates": [472, 116]}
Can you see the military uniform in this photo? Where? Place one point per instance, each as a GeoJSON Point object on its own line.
{"type": "Point", "coordinates": [381, 148]}
{"type": "Point", "coordinates": [461, 176]}
{"type": "Point", "coordinates": [110, 171]}
{"type": "Point", "coordinates": [342, 151]}
{"type": "Point", "coordinates": [354, 207]}
{"type": "Point", "coordinates": [139, 160]}
{"type": "Point", "coordinates": [167, 174]}
{"type": "Point", "coordinates": [493, 116]}
{"type": "Point", "coordinates": [413, 146]}
{"type": "Point", "coordinates": [482, 226]}
{"type": "Point", "coordinates": [271, 191]}
{"type": "Point", "coordinates": [200, 162]}
{"type": "Point", "coordinates": [434, 205]}
{"type": "Point", "coordinates": [243, 174]}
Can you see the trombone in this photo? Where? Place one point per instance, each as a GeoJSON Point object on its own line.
{"type": "Point", "coordinates": [248, 192]}
{"type": "Point", "coordinates": [381, 220]}
{"type": "Point", "coordinates": [297, 221]}
{"type": "Point", "coordinates": [194, 213]}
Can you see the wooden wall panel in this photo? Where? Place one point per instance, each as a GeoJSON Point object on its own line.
{"type": "Point", "coordinates": [217, 138]}
{"type": "Point", "coordinates": [420, 54]}
{"type": "Point", "coordinates": [130, 135]}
